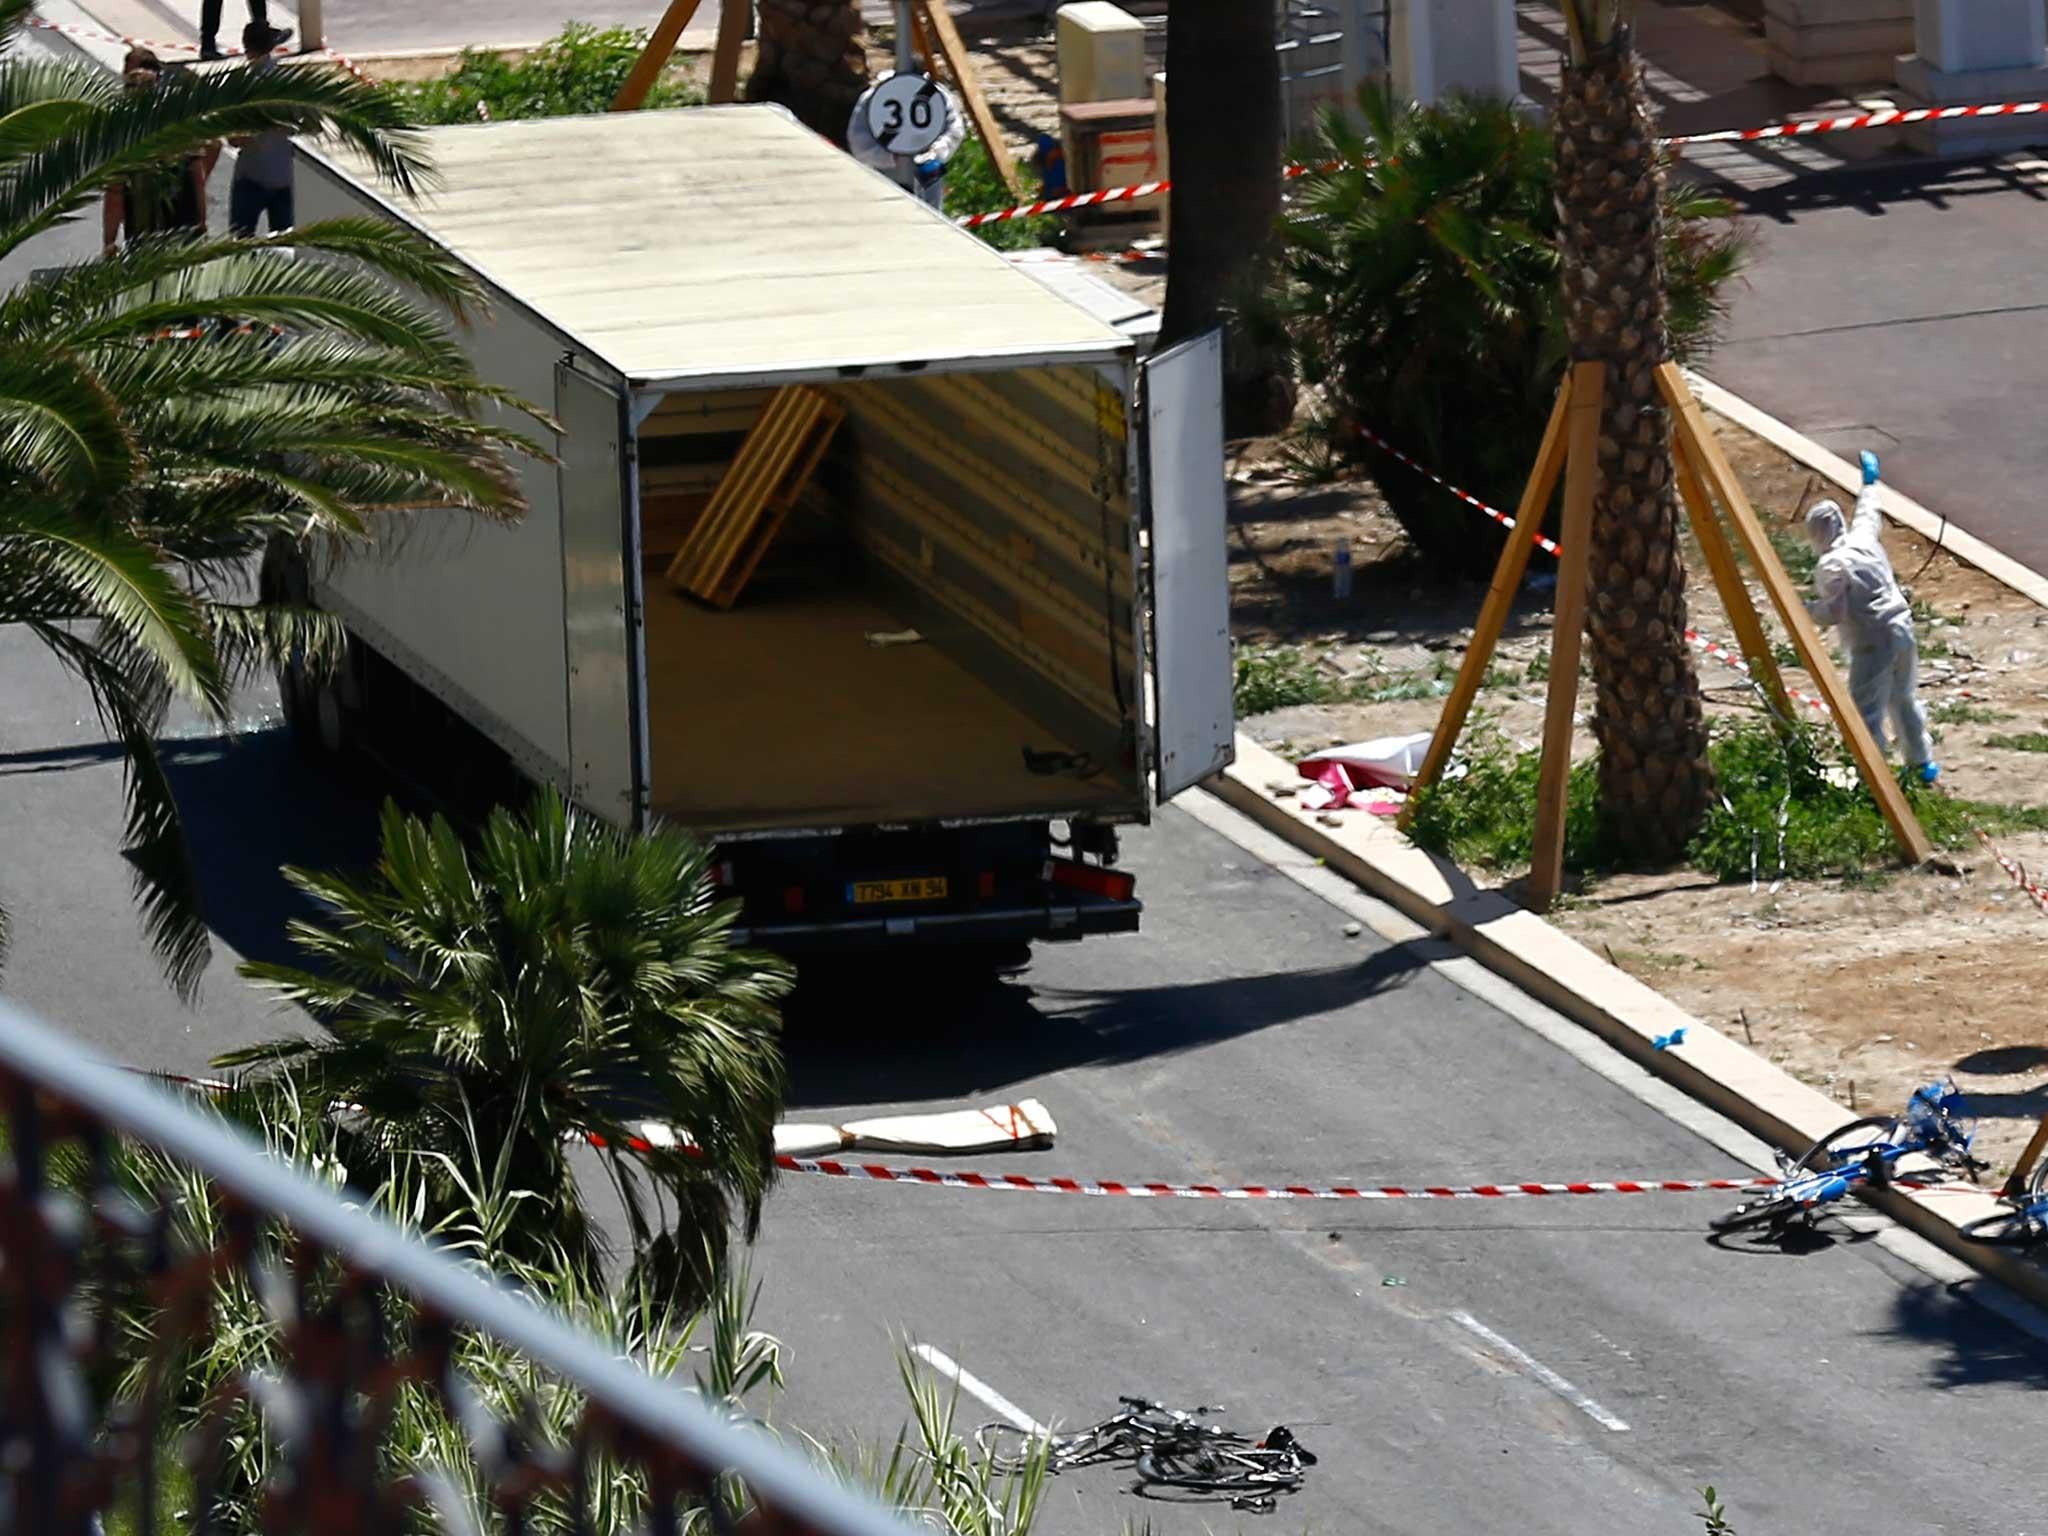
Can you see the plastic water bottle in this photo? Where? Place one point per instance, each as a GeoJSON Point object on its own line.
{"type": "Point", "coordinates": [1340, 571]}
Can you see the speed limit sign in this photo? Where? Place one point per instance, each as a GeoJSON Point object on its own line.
{"type": "Point", "coordinates": [908, 114]}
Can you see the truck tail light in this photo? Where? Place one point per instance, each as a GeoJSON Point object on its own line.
{"type": "Point", "coordinates": [986, 884]}
{"type": "Point", "coordinates": [1114, 884]}
{"type": "Point", "coordinates": [721, 872]}
{"type": "Point", "coordinates": [793, 899]}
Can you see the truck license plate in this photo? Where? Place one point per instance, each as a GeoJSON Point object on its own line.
{"type": "Point", "coordinates": [868, 892]}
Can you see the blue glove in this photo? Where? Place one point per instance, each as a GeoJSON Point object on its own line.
{"type": "Point", "coordinates": [1869, 467]}
{"type": "Point", "coordinates": [1929, 772]}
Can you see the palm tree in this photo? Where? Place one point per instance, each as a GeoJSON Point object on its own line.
{"type": "Point", "coordinates": [562, 984]}
{"type": "Point", "coordinates": [1655, 784]}
{"type": "Point", "coordinates": [1422, 296]}
{"type": "Point", "coordinates": [141, 471]}
{"type": "Point", "coordinates": [812, 58]}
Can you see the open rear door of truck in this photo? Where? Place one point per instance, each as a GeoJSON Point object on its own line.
{"type": "Point", "coordinates": [1183, 481]}
{"type": "Point", "coordinates": [600, 571]}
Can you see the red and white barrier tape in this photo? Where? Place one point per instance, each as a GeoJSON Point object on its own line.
{"type": "Point", "coordinates": [1549, 546]}
{"type": "Point", "coordinates": [1890, 117]}
{"type": "Point", "coordinates": [878, 1173]}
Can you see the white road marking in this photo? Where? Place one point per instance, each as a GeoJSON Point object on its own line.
{"type": "Point", "coordinates": [1529, 1365]}
{"type": "Point", "coordinates": [974, 1386]}
{"type": "Point", "coordinates": [1589, 1049]}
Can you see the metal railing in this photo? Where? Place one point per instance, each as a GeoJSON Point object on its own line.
{"type": "Point", "coordinates": [79, 1455]}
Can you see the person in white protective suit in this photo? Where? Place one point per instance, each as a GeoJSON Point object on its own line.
{"type": "Point", "coordinates": [924, 175]}
{"type": "Point", "coordinates": [1854, 587]}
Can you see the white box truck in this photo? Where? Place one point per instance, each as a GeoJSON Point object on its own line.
{"type": "Point", "coordinates": [993, 630]}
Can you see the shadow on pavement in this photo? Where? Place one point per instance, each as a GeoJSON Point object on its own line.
{"type": "Point", "coordinates": [1877, 187]}
{"type": "Point", "coordinates": [1980, 1347]}
{"type": "Point", "coordinates": [252, 804]}
{"type": "Point", "coordinates": [863, 1034]}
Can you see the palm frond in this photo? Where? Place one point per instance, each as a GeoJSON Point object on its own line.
{"type": "Point", "coordinates": [130, 132]}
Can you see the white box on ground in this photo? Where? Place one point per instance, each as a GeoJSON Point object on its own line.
{"type": "Point", "coordinates": [1101, 52]}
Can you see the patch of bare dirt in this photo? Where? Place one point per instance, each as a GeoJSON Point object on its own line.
{"type": "Point", "coordinates": [1863, 988]}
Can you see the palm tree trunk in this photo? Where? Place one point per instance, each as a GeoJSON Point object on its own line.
{"type": "Point", "coordinates": [1655, 782]}
{"type": "Point", "coordinates": [812, 58]}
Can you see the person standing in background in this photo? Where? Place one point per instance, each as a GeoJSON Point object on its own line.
{"type": "Point", "coordinates": [209, 26]}
{"type": "Point", "coordinates": [262, 187]}
{"type": "Point", "coordinates": [163, 200]}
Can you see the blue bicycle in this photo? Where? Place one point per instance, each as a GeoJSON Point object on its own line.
{"type": "Point", "coordinates": [2023, 1223]}
{"type": "Point", "coordinates": [1862, 1152]}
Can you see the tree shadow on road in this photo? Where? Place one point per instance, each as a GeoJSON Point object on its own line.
{"type": "Point", "coordinates": [1980, 1348]}
{"type": "Point", "coordinates": [868, 1034]}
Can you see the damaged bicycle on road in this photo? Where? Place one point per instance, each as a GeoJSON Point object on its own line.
{"type": "Point", "coordinates": [1862, 1154]}
{"type": "Point", "coordinates": [1173, 1452]}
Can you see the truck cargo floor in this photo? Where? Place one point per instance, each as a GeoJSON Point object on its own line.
{"type": "Point", "coordinates": [780, 713]}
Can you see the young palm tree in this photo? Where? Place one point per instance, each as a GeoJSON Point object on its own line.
{"type": "Point", "coordinates": [560, 985]}
{"type": "Point", "coordinates": [1655, 784]}
{"type": "Point", "coordinates": [812, 58]}
{"type": "Point", "coordinates": [140, 471]}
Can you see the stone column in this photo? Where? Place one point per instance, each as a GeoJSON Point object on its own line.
{"type": "Point", "coordinates": [1969, 51]}
{"type": "Point", "coordinates": [1440, 46]}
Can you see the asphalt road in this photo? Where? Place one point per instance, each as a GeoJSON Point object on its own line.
{"type": "Point", "coordinates": [1450, 1363]}
{"type": "Point", "coordinates": [1905, 309]}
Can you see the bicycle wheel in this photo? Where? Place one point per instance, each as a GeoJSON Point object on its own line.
{"type": "Point", "coordinates": [1769, 1210]}
{"type": "Point", "coordinates": [2017, 1227]}
{"type": "Point", "coordinates": [1009, 1449]}
{"type": "Point", "coordinates": [1849, 1144]}
{"type": "Point", "coordinates": [1228, 1471]}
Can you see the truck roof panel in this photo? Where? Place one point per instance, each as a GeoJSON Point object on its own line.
{"type": "Point", "coordinates": [724, 245]}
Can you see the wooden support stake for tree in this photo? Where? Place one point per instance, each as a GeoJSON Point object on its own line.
{"type": "Point", "coordinates": [725, 58]}
{"type": "Point", "coordinates": [1500, 598]}
{"type": "Point", "coordinates": [1553, 782]}
{"type": "Point", "coordinates": [961, 68]}
{"type": "Point", "coordinates": [1691, 425]}
{"type": "Point", "coordinates": [654, 57]}
{"type": "Point", "coordinates": [921, 42]}
{"type": "Point", "coordinates": [2032, 1155]}
{"type": "Point", "coordinates": [1742, 615]}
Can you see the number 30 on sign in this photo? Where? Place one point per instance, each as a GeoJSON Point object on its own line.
{"type": "Point", "coordinates": [908, 114]}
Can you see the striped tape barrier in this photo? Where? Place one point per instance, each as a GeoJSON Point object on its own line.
{"type": "Point", "coordinates": [1156, 1189]}
{"type": "Point", "coordinates": [1886, 118]}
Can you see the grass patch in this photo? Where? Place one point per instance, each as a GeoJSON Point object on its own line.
{"type": "Point", "coordinates": [1280, 676]}
{"type": "Point", "coordinates": [1962, 712]}
{"type": "Point", "coordinates": [1277, 678]}
{"type": "Point", "coordinates": [578, 70]}
{"type": "Point", "coordinates": [1790, 806]}
{"type": "Point", "coordinates": [2025, 741]}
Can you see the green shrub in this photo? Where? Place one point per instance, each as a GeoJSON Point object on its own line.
{"type": "Point", "coordinates": [1273, 679]}
{"type": "Point", "coordinates": [578, 70]}
{"type": "Point", "coordinates": [1422, 294]}
{"type": "Point", "coordinates": [1486, 816]}
{"type": "Point", "coordinates": [972, 186]}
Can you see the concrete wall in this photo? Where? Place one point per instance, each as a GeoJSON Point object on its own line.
{"type": "Point", "coordinates": [1838, 42]}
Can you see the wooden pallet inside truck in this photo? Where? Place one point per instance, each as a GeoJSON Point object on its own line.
{"type": "Point", "coordinates": [756, 494]}
{"type": "Point", "coordinates": [1571, 449]}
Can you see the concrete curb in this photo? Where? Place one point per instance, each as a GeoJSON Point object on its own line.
{"type": "Point", "coordinates": [1901, 508]}
{"type": "Point", "coordinates": [1559, 971]}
